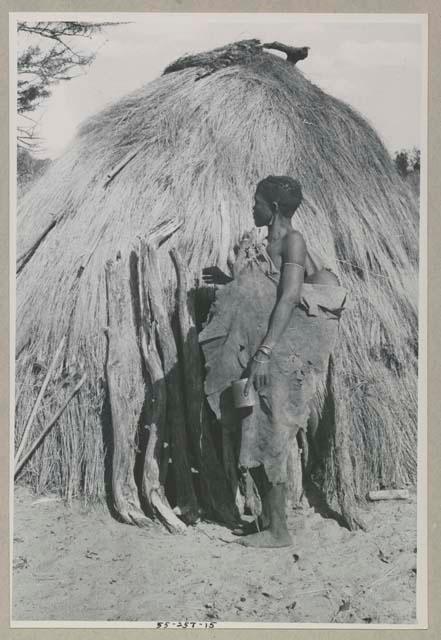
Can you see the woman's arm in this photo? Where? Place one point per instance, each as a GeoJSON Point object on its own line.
{"type": "Point", "coordinates": [292, 276]}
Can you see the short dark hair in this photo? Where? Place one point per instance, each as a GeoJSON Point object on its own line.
{"type": "Point", "coordinates": [284, 190]}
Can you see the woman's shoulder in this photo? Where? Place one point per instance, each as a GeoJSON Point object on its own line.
{"type": "Point", "coordinates": [295, 234]}
{"type": "Point", "coordinates": [294, 245]}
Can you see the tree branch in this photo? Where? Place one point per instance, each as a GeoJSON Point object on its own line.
{"type": "Point", "coordinates": [45, 68]}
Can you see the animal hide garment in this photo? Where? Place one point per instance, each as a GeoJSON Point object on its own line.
{"type": "Point", "coordinates": [236, 326]}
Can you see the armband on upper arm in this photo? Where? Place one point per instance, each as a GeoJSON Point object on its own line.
{"type": "Point", "coordinates": [294, 264]}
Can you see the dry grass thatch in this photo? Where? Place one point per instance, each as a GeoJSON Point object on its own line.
{"type": "Point", "coordinates": [205, 139]}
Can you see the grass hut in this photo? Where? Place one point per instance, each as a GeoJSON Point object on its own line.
{"type": "Point", "coordinates": [190, 147]}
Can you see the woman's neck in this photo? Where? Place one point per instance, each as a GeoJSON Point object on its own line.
{"type": "Point", "coordinates": [278, 229]}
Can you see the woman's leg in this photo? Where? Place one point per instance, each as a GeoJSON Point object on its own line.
{"type": "Point", "coordinates": [273, 498]}
{"type": "Point", "coordinates": [262, 522]}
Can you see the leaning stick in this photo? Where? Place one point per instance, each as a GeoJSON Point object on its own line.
{"type": "Point", "coordinates": [38, 402]}
{"type": "Point", "coordinates": [152, 489]}
{"type": "Point", "coordinates": [120, 166]}
{"type": "Point", "coordinates": [26, 255]}
{"type": "Point", "coordinates": [171, 521]}
{"type": "Point", "coordinates": [175, 412]}
{"type": "Point", "coordinates": [43, 434]}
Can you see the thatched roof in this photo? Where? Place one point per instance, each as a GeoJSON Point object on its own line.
{"type": "Point", "coordinates": [202, 145]}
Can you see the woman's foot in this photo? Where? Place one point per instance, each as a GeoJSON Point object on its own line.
{"type": "Point", "coordinates": [266, 539]}
{"type": "Point", "coordinates": [273, 515]}
{"type": "Point", "coordinates": [248, 528]}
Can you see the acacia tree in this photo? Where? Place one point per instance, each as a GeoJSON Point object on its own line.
{"type": "Point", "coordinates": [51, 56]}
{"type": "Point", "coordinates": [407, 161]}
{"type": "Point", "coordinates": [415, 159]}
{"type": "Point", "coordinates": [408, 164]}
{"type": "Point", "coordinates": [402, 163]}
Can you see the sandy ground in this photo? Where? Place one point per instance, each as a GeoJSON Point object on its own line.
{"type": "Point", "coordinates": [73, 563]}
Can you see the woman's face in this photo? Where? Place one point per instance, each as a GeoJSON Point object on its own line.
{"type": "Point", "coordinates": [262, 212]}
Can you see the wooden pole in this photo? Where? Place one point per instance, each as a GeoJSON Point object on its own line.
{"type": "Point", "coordinates": [185, 494]}
{"type": "Point", "coordinates": [19, 466]}
{"type": "Point", "coordinates": [37, 403]}
{"type": "Point", "coordinates": [152, 488]}
{"type": "Point", "coordinates": [389, 494]}
{"type": "Point", "coordinates": [293, 54]}
{"type": "Point", "coordinates": [343, 467]}
{"type": "Point", "coordinates": [295, 475]}
{"type": "Point", "coordinates": [126, 390]}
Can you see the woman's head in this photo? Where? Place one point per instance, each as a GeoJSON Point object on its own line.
{"type": "Point", "coordinates": [276, 194]}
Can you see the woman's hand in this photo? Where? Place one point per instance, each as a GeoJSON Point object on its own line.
{"type": "Point", "coordinates": [258, 372]}
{"type": "Point", "coordinates": [214, 275]}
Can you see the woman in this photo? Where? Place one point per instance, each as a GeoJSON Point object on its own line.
{"type": "Point", "coordinates": [276, 324]}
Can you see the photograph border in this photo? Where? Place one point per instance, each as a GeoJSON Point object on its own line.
{"type": "Point", "coordinates": [316, 7]}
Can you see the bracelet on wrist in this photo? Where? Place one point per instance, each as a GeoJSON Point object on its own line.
{"type": "Point", "coordinates": [264, 348]}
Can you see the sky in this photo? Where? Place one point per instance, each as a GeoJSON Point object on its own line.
{"type": "Point", "coordinates": [374, 64]}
